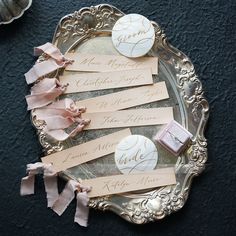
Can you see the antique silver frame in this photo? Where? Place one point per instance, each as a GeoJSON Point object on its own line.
{"type": "Point", "coordinates": [193, 110]}
{"type": "Point", "coordinates": [12, 10]}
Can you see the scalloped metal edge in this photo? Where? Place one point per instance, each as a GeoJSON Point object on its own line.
{"type": "Point", "coordinates": [17, 17]}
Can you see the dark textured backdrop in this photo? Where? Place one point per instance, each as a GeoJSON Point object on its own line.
{"type": "Point", "coordinates": [205, 31]}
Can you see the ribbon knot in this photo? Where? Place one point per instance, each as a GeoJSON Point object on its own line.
{"type": "Point", "coordinates": [44, 93]}
{"type": "Point", "coordinates": [33, 169]}
{"type": "Point", "coordinates": [60, 115]}
{"type": "Point", "coordinates": [57, 202]}
{"type": "Point", "coordinates": [52, 51]}
{"type": "Point", "coordinates": [56, 61]}
{"type": "Point", "coordinates": [65, 62]}
{"type": "Point", "coordinates": [50, 180]}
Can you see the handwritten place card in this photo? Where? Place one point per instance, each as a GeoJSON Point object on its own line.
{"type": "Point", "coordinates": [101, 63]}
{"type": "Point", "coordinates": [125, 99]}
{"type": "Point", "coordinates": [97, 81]}
{"type": "Point", "coordinates": [85, 152]}
{"type": "Point", "coordinates": [108, 185]}
{"type": "Point", "coordinates": [128, 118]}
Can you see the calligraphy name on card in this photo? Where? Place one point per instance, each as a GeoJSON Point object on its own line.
{"type": "Point", "coordinates": [125, 99]}
{"type": "Point", "coordinates": [108, 185]}
{"type": "Point", "coordinates": [101, 63]}
{"type": "Point", "coordinates": [106, 80]}
{"type": "Point", "coordinates": [85, 152]}
{"type": "Point", "coordinates": [129, 118]}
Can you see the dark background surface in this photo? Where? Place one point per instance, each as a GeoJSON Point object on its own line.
{"type": "Point", "coordinates": [205, 31]}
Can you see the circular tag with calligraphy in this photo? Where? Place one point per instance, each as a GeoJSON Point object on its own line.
{"type": "Point", "coordinates": [133, 35]}
{"type": "Point", "coordinates": [136, 153]}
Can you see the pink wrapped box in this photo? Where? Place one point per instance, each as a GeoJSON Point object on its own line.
{"type": "Point", "coordinates": [173, 137]}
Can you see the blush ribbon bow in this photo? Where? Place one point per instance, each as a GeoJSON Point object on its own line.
{"type": "Point", "coordinates": [56, 60]}
{"type": "Point", "coordinates": [50, 181]}
{"type": "Point", "coordinates": [67, 195]}
{"type": "Point", "coordinates": [58, 203]}
{"type": "Point", "coordinates": [44, 93]}
{"type": "Point", "coordinates": [60, 115]}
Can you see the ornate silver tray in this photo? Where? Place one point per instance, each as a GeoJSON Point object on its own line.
{"type": "Point", "coordinates": [12, 9]}
{"type": "Point", "coordinates": [89, 30]}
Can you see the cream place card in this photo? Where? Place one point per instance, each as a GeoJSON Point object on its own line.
{"type": "Point", "coordinates": [129, 118]}
{"type": "Point", "coordinates": [108, 185]}
{"type": "Point", "coordinates": [101, 63]}
{"type": "Point", "coordinates": [125, 99]}
{"type": "Point", "coordinates": [85, 152]}
{"type": "Point", "coordinates": [106, 80]}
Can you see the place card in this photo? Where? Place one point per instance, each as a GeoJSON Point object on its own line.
{"type": "Point", "coordinates": [128, 118]}
{"type": "Point", "coordinates": [106, 80]}
{"type": "Point", "coordinates": [85, 152]}
{"type": "Point", "coordinates": [125, 99]}
{"type": "Point", "coordinates": [115, 184]}
{"type": "Point", "coordinates": [101, 63]}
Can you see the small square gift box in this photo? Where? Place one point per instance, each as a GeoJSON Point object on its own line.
{"type": "Point", "coordinates": [173, 137]}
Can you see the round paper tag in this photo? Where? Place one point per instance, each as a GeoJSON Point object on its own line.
{"type": "Point", "coordinates": [133, 35]}
{"type": "Point", "coordinates": [135, 153]}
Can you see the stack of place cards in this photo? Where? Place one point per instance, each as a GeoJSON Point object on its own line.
{"type": "Point", "coordinates": [135, 155]}
{"type": "Point", "coordinates": [136, 159]}
{"type": "Point", "coordinates": [111, 71]}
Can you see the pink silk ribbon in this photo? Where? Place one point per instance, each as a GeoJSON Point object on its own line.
{"type": "Point", "coordinates": [57, 202]}
{"type": "Point", "coordinates": [65, 107]}
{"type": "Point", "coordinates": [56, 61]}
{"type": "Point", "coordinates": [82, 209]}
{"type": "Point", "coordinates": [58, 116]}
{"type": "Point", "coordinates": [50, 50]}
{"type": "Point", "coordinates": [61, 135]}
{"type": "Point", "coordinates": [59, 122]}
{"type": "Point", "coordinates": [61, 115]}
{"type": "Point", "coordinates": [67, 195]}
{"type": "Point", "coordinates": [44, 93]}
{"type": "Point", "coordinates": [50, 181]}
